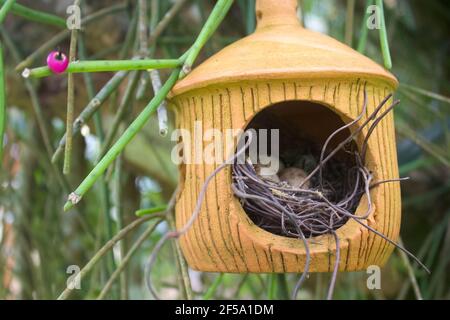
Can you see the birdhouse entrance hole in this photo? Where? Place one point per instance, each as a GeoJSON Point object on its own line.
{"type": "Point", "coordinates": [304, 128]}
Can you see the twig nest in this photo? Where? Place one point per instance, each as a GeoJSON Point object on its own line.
{"type": "Point", "coordinates": [294, 177]}
{"type": "Point", "coordinates": [272, 177]}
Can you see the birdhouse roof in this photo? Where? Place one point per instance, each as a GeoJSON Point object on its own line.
{"type": "Point", "coordinates": [281, 49]}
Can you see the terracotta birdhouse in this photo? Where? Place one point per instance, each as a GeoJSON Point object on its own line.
{"type": "Point", "coordinates": [313, 85]}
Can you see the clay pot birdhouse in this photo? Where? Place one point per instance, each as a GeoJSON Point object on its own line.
{"type": "Point", "coordinates": [309, 85]}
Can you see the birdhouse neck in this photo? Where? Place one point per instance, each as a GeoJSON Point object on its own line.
{"type": "Point", "coordinates": [276, 12]}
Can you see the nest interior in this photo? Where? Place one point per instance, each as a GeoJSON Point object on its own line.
{"type": "Point", "coordinates": [286, 204]}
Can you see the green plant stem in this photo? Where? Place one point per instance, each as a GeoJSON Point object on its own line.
{"type": "Point", "coordinates": [383, 37]}
{"type": "Point", "coordinates": [142, 23]}
{"type": "Point", "coordinates": [213, 287]}
{"type": "Point", "coordinates": [239, 286]}
{"type": "Point", "coordinates": [162, 25]}
{"type": "Point", "coordinates": [117, 198]}
{"type": "Point", "coordinates": [106, 66]}
{"type": "Point", "coordinates": [7, 6]}
{"type": "Point", "coordinates": [154, 18]}
{"type": "Point", "coordinates": [120, 144]}
{"type": "Point", "coordinates": [277, 288]}
{"type": "Point", "coordinates": [250, 21]}
{"type": "Point", "coordinates": [126, 259]}
{"type": "Point", "coordinates": [142, 29]}
{"type": "Point", "coordinates": [144, 212]}
{"type": "Point", "coordinates": [104, 190]}
{"type": "Point", "coordinates": [53, 42]}
{"type": "Point", "coordinates": [184, 40]}
{"type": "Point", "coordinates": [163, 214]}
{"type": "Point", "coordinates": [90, 88]}
{"type": "Point", "coordinates": [42, 126]}
{"type": "Point", "coordinates": [364, 30]}
{"type": "Point", "coordinates": [183, 268]}
{"type": "Point", "coordinates": [154, 74]}
{"type": "Point", "coordinates": [419, 163]}
{"type": "Point", "coordinates": [435, 151]}
{"type": "Point", "coordinates": [70, 101]}
{"type": "Point", "coordinates": [100, 55]}
{"type": "Point", "coordinates": [37, 109]}
{"type": "Point", "coordinates": [36, 16]}
{"type": "Point", "coordinates": [349, 21]}
{"type": "Point", "coordinates": [162, 109]}
{"type": "Point", "coordinates": [106, 247]}
{"type": "Point", "coordinates": [217, 15]}
{"type": "Point", "coordinates": [2, 105]}
{"type": "Point", "coordinates": [125, 105]}
{"type": "Point", "coordinates": [91, 109]}
{"type": "Point", "coordinates": [272, 287]}
{"type": "Point", "coordinates": [410, 270]}
{"type": "Point", "coordinates": [282, 287]}
{"type": "Point", "coordinates": [181, 287]}
{"type": "Point", "coordinates": [129, 38]}
{"type": "Point", "coordinates": [425, 93]}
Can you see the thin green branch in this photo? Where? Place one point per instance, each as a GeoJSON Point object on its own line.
{"type": "Point", "coordinates": [239, 285]}
{"type": "Point", "coordinates": [154, 18]}
{"type": "Point", "coordinates": [250, 20]}
{"type": "Point", "coordinates": [168, 17]}
{"type": "Point", "coordinates": [142, 23]}
{"type": "Point", "coordinates": [162, 109]}
{"type": "Point", "coordinates": [104, 190]}
{"type": "Point", "coordinates": [183, 268]}
{"type": "Point", "coordinates": [217, 15]}
{"type": "Point", "coordinates": [90, 88]}
{"type": "Point", "coordinates": [121, 143]}
{"type": "Point", "coordinates": [99, 55]}
{"type": "Point", "coordinates": [411, 275]}
{"type": "Point", "coordinates": [123, 264]}
{"type": "Point", "coordinates": [2, 104]}
{"type": "Point", "coordinates": [91, 109]}
{"type": "Point", "coordinates": [144, 212]}
{"type": "Point", "coordinates": [125, 105]}
{"type": "Point", "coordinates": [42, 126]}
{"type": "Point", "coordinates": [7, 6]}
{"type": "Point", "coordinates": [185, 40]}
{"type": "Point", "coordinates": [143, 44]}
{"type": "Point", "coordinates": [105, 66]}
{"type": "Point", "coordinates": [181, 287]}
{"type": "Point", "coordinates": [70, 101]}
{"type": "Point", "coordinates": [435, 151]}
{"type": "Point", "coordinates": [349, 21]}
{"type": "Point", "coordinates": [277, 288]}
{"type": "Point", "coordinates": [37, 109]}
{"type": "Point", "coordinates": [154, 74]}
{"type": "Point", "coordinates": [425, 93]}
{"type": "Point", "coordinates": [271, 287]}
{"type": "Point", "coordinates": [37, 16]}
{"type": "Point", "coordinates": [53, 42]}
{"type": "Point", "coordinates": [282, 287]}
{"type": "Point", "coordinates": [103, 250]}
{"type": "Point", "coordinates": [213, 287]}
{"type": "Point", "coordinates": [384, 37]}
{"type": "Point", "coordinates": [129, 37]}
{"type": "Point", "coordinates": [117, 201]}
{"type": "Point", "coordinates": [364, 30]}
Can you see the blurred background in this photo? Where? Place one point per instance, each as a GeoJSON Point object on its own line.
{"type": "Point", "coordinates": [38, 242]}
